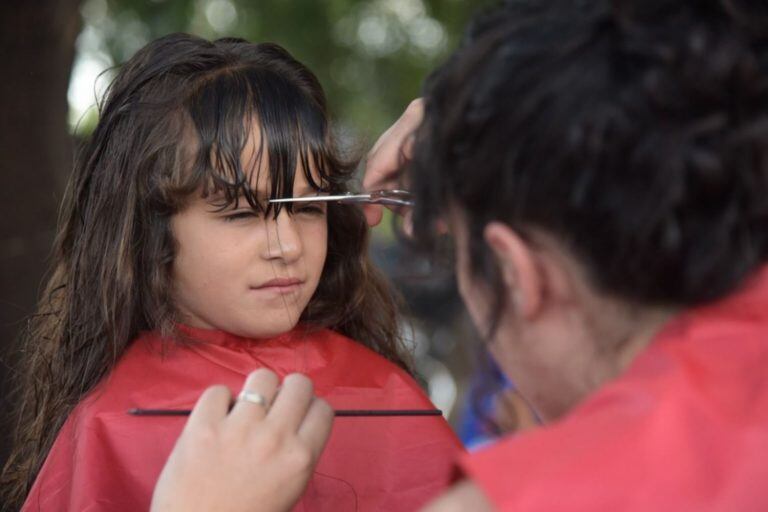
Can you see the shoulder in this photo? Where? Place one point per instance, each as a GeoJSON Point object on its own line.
{"type": "Point", "coordinates": [354, 376]}
{"type": "Point", "coordinates": [649, 440]}
{"type": "Point", "coordinates": [600, 451]}
{"type": "Point", "coordinates": [148, 368]}
{"type": "Point", "coordinates": [358, 358]}
{"type": "Point", "coordinates": [598, 459]}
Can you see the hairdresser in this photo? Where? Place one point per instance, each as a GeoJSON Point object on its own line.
{"type": "Point", "coordinates": [602, 168]}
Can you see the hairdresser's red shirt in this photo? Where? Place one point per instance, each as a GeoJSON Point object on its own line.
{"type": "Point", "coordinates": [105, 459]}
{"type": "Point", "coordinates": [686, 428]}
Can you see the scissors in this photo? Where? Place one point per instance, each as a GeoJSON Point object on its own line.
{"type": "Point", "coordinates": [385, 197]}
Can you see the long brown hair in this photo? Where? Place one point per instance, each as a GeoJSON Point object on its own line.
{"type": "Point", "coordinates": [176, 119]}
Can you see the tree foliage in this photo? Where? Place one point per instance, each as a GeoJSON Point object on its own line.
{"type": "Point", "coordinates": [371, 56]}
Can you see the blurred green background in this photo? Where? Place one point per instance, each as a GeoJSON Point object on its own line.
{"type": "Point", "coordinates": [58, 55]}
{"type": "Point", "coordinates": [371, 56]}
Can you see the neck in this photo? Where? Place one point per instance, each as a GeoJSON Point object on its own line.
{"type": "Point", "coordinates": [615, 336]}
{"type": "Point", "coordinates": [638, 330]}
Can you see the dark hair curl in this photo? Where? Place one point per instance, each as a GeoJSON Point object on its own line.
{"type": "Point", "coordinates": [635, 132]}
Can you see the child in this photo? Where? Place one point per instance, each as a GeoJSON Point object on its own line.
{"type": "Point", "coordinates": [172, 271]}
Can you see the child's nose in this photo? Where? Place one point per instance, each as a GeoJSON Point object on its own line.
{"type": "Point", "coordinates": [284, 241]}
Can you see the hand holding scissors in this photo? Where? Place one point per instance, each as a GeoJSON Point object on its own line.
{"type": "Point", "coordinates": [385, 161]}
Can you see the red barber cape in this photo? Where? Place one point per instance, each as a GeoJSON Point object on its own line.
{"type": "Point", "coordinates": [684, 429]}
{"type": "Point", "coordinates": [105, 459]}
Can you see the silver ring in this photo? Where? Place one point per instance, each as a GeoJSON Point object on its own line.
{"type": "Point", "coordinates": [254, 398]}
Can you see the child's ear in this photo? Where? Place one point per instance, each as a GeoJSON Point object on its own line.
{"type": "Point", "coordinates": [518, 267]}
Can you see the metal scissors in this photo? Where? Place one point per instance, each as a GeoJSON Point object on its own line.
{"type": "Point", "coordinates": [384, 197]}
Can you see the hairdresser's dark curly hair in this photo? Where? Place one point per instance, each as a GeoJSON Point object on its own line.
{"type": "Point", "coordinates": [175, 121]}
{"type": "Point", "coordinates": [635, 131]}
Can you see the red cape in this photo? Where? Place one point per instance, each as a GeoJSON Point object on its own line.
{"type": "Point", "coordinates": [686, 428]}
{"type": "Point", "coordinates": [105, 459]}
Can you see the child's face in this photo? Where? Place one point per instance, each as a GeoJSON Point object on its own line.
{"type": "Point", "coordinates": [245, 274]}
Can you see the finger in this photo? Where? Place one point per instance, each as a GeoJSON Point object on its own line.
{"type": "Point", "coordinates": [212, 406]}
{"type": "Point", "coordinates": [386, 158]}
{"type": "Point", "coordinates": [415, 110]}
{"type": "Point", "coordinates": [316, 427]}
{"type": "Point", "coordinates": [292, 402]}
{"type": "Point", "coordinates": [409, 140]}
{"type": "Point", "coordinates": [408, 223]}
{"type": "Point", "coordinates": [383, 165]}
{"type": "Point", "coordinates": [442, 227]}
{"type": "Point", "coordinates": [373, 214]}
{"type": "Point", "coordinates": [382, 170]}
{"type": "Point", "coordinates": [260, 383]}
{"type": "Point", "coordinates": [409, 119]}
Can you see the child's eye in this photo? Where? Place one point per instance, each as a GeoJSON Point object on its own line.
{"type": "Point", "coordinates": [310, 209]}
{"type": "Point", "coordinates": [246, 214]}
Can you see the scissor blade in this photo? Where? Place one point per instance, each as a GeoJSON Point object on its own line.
{"type": "Point", "coordinates": [315, 199]}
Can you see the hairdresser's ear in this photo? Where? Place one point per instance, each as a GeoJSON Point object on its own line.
{"type": "Point", "coordinates": [517, 264]}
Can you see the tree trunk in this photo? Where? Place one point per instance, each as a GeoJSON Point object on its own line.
{"type": "Point", "coordinates": [37, 44]}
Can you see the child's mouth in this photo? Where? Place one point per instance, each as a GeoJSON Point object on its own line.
{"type": "Point", "coordinates": [280, 285]}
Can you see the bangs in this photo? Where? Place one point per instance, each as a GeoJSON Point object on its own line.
{"type": "Point", "coordinates": [293, 134]}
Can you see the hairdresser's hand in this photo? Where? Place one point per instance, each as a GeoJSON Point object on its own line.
{"type": "Point", "coordinates": [388, 155]}
{"type": "Point", "coordinates": [255, 457]}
